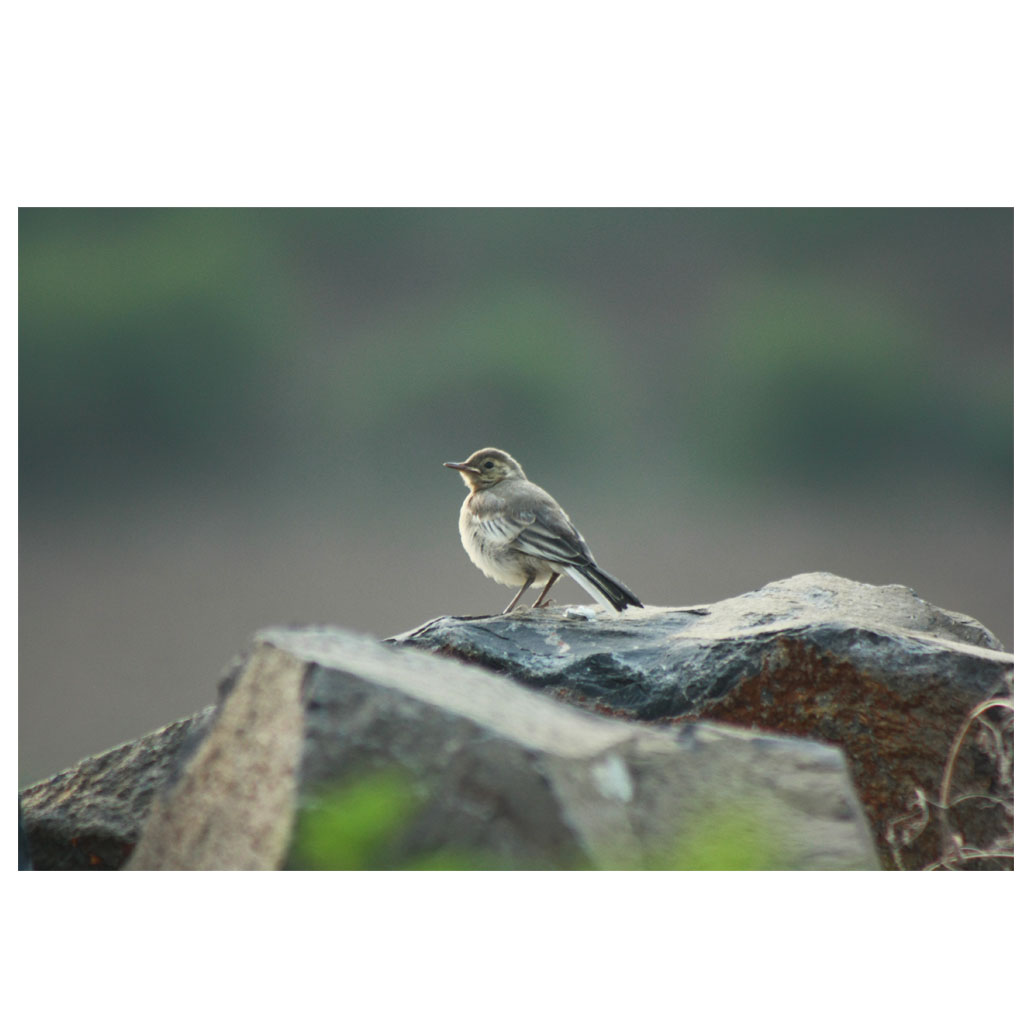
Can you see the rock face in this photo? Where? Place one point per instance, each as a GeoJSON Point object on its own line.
{"type": "Point", "coordinates": [876, 670]}
{"type": "Point", "coordinates": [728, 728]}
{"type": "Point", "coordinates": [535, 784]}
{"type": "Point", "coordinates": [505, 776]}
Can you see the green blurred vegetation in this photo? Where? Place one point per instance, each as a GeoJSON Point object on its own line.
{"type": "Point", "coordinates": [794, 346]}
{"type": "Point", "coordinates": [505, 348]}
{"type": "Point", "coordinates": [143, 336]}
{"type": "Point", "coordinates": [820, 378]}
{"type": "Point", "coordinates": [838, 379]}
{"type": "Point", "coordinates": [736, 837]}
{"type": "Point", "coordinates": [360, 825]}
{"type": "Point", "coordinates": [352, 826]}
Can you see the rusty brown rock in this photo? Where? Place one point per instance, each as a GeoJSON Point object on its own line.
{"type": "Point", "coordinates": [896, 738]}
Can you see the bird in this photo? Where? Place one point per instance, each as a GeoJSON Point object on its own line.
{"type": "Point", "coordinates": [517, 534]}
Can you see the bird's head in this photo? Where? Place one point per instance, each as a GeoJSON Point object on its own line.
{"type": "Point", "coordinates": [487, 467]}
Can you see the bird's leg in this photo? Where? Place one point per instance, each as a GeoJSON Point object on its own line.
{"type": "Point", "coordinates": [522, 590]}
{"type": "Point", "coordinates": [547, 586]}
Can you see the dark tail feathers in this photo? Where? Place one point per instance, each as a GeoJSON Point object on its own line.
{"type": "Point", "coordinates": [618, 593]}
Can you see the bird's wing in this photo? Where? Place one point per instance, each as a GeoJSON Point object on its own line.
{"type": "Point", "coordinates": [549, 534]}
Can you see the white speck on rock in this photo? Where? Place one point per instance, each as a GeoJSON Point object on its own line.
{"type": "Point", "coordinates": [613, 779]}
{"type": "Point", "coordinates": [580, 611]}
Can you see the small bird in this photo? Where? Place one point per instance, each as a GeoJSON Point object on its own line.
{"type": "Point", "coordinates": [516, 533]}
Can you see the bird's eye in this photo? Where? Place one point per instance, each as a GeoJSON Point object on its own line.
{"type": "Point", "coordinates": [488, 464]}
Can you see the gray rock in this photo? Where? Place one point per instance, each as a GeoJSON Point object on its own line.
{"type": "Point", "coordinates": [505, 777]}
{"type": "Point", "coordinates": [656, 663]}
{"type": "Point", "coordinates": [530, 783]}
{"type": "Point", "coordinates": [877, 670]}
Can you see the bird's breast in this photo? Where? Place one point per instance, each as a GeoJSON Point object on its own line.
{"type": "Point", "coordinates": [487, 540]}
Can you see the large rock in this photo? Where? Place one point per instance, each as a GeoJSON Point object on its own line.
{"type": "Point", "coordinates": [876, 670]}
{"type": "Point", "coordinates": [505, 777]}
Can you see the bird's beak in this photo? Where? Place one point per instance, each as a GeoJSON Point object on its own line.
{"type": "Point", "coordinates": [463, 467]}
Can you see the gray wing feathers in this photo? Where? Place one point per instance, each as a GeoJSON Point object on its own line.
{"type": "Point", "coordinates": [559, 547]}
{"type": "Point", "coordinates": [563, 545]}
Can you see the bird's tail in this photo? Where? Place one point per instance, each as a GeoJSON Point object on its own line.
{"type": "Point", "coordinates": [605, 589]}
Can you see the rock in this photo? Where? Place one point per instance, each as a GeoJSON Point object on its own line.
{"type": "Point", "coordinates": [90, 816]}
{"type": "Point", "coordinates": [233, 805]}
{"type": "Point", "coordinates": [876, 670]}
{"type": "Point", "coordinates": [529, 782]}
{"type": "Point", "coordinates": [504, 777]}
{"type": "Point", "coordinates": [24, 850]}
{"type": "Point", "coordinates": [676, 770]}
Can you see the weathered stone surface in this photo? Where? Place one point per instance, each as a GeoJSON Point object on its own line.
{"type": "Point", "coordinates": [532, 783]}
{"type": "Point", "coordinates": [884, 674]}
{"type": "Point", "coordinates": [505, 774]}
{"type": "Point", "coordinates": [90, 816]}
{"type": "Point", "coordinates": [233, 805]}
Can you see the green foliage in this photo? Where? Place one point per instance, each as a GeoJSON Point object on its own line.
{"type": "Point", "coordinates": [731, 838]}
{"type": "Point", "coordinates": [819, 381]}
{"type": "Point", "coordinates": [141, 332]}
{"type": "Point", "coordinates": [353, 825]}
{"type": "Point", "coordinates": [515, 350]}
{"type": "Point", "coordinates": [360, 825]}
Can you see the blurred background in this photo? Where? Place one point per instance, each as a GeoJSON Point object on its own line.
{"type": "Point", "coordinates": [237, 418]}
